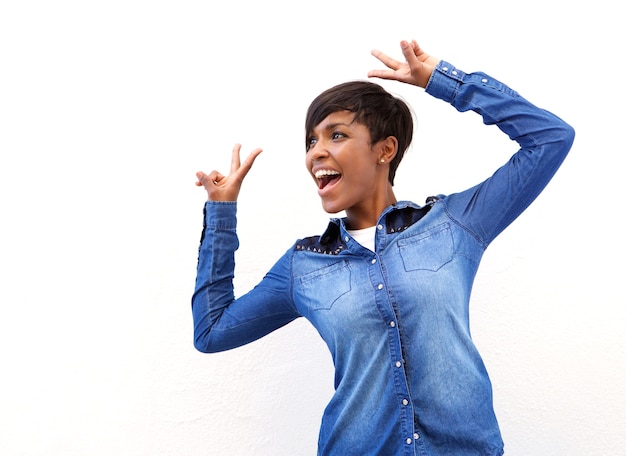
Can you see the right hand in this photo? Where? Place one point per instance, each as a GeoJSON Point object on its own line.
{"type": "Point", "coordinates": [226, 188]}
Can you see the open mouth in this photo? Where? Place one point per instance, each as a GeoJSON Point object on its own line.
{"type": "Point", "coordinates": [325, 177]}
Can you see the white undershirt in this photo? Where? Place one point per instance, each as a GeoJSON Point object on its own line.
{"type": "Point", "coordinates": [365, 237]}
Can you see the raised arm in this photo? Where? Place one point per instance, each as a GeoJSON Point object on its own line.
{"type": "Point", "coordinates": [543, 138]}
{"type": "Point", "coordinates": [222, 322]}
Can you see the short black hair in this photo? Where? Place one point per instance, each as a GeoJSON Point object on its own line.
{"type": "Point", "coordinates": [381, 112]}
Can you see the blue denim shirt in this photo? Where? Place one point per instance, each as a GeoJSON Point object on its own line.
{"type": "Point", "coordinates": [409, 380]}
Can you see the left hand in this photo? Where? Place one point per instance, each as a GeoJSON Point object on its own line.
{"type": "Point", "coordinates": [416, 70]}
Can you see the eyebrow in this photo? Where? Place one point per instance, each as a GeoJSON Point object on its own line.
{"type": "Point", "coordinates": [337, 124]}
{"type": "Point", "coordinates": [333, 125]}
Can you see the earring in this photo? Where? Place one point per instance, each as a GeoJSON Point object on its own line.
{"type": "Point", "coordinates": [382, 160]}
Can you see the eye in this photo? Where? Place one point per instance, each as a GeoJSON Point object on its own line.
{"type": "Point", "coordinates": [310, 142]}
{"type": "Point", "coordinates": [337, 135]}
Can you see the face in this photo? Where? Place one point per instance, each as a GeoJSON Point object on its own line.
{"type": "Point", "coordinates": [343, 163]}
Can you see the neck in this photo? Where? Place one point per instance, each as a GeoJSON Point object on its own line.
{"type": "Point", "coordinates": [361, 217]}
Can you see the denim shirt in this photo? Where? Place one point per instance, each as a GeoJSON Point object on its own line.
{"type": "Point", "coordinates": [408, 377]}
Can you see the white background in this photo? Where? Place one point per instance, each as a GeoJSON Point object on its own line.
{"type": "Point", "coordinates": [107, 110]}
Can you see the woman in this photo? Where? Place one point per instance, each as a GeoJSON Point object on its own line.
{"type": "Point", "coordinates": [388, 285]}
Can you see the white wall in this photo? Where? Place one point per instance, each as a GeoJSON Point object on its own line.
{"type": "Point", "coordinates": [107, 109]}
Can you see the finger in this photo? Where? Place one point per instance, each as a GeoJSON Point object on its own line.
{"type": "Point", "coordinates": [418, 51]}
{"type": "Point", "coordinates": [388, 61]}
{"type": "Point", "coordinates": [409, 52]}
{"type": "Point", "coordinates": [215, 178]}
{"type": "Point", "coordinates": [382, 74]}
{"type": "Point", "coordinates": [235, 160]}
{"type": "Point", "coordinates": [208, 180]}
{"type": "Point", "coordinates": [203, 178]}
{"type": "Point", "coordinates": [200, 176]}
{"type": "Point", "coordinates": [248, 162]}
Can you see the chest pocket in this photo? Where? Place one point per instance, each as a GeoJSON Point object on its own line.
{"type": "Point", "coordinates": [323, 287]}
{"type": "Point", "coordinates": [427, 251]}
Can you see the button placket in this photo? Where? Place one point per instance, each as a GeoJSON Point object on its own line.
{"type": "Point", "coordinates": [394, 335]}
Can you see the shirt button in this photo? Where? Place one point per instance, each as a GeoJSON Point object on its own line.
{"type": "Point", "coordinates": [416, 436]}
{"type": "Point", "coordinates": [379, 227]}
{"type": "Point", "coordinates": [408, 441]}
{"type": "Point", "coordinates": [373, 260]}
{"type": "Point", "coordinates": [454, 72]}
{"type": "Point", "coordinates": [380, 286]}
{"type": "Point", "coordinates": [445, 68]}
{"type": "Point", "coordinates": [392, 324]}
{"type": "Point", "coordinates": [346, 239]}
{"type": "Point", "coordinates": [484, 81]}
{"type": "Point", "coordinates": [398, 364]}
{"type": "Point", "coordinates": [405, 402]}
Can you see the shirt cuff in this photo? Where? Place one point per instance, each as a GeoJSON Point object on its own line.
{"type": "Point", "coordinates": [444, 82]}
{"type": "Point", "coordinates": [220, 215]}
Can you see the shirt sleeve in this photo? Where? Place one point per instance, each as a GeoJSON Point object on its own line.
{"type": "Point", "coordinates": [544, 140]}
{"type": "Point", "coordinates": [222, 322]}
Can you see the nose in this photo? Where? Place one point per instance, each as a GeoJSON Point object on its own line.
{"type": "Point", "coordinates": [317, 151]}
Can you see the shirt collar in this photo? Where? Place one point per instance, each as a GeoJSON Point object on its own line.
{"type": "Point", "coordinates": [395, 218]}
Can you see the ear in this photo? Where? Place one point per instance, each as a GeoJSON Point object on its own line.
{"type": "Point", "coordinates": [387, 149]}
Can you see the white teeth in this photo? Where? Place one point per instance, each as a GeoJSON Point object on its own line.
{"type": "Point", "coordinates": [325, 172]}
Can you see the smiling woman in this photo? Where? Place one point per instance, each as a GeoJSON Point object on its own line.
{"type": "Point", "coordinates": [388, 286]}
